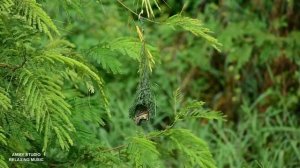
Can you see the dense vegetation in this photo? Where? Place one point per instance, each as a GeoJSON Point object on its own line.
{"type": "Point", "coordinates": [75, 73]}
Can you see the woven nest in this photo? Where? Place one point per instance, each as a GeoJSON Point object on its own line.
{"type": "Point", "coordinates": [143, 107]}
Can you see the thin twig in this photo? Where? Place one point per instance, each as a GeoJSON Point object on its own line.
{"type": "Point", "coordinates": [22, 64]}
{"type": "Point", "coordinates": [136, 13]}
{"type": "Point", "coordinates": [166, 4]}
{"type": "Point", "coordinates": [114, 148]}
{"type": "Point", "coordinates": [147, 136]}
{"type": "Point", "coordinates": [2, 65]}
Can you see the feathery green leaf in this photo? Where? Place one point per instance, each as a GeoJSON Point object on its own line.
{"type": "Point", "coordinates": [36, 16]}
{"type": "Point", "coordinates": [194, 26]}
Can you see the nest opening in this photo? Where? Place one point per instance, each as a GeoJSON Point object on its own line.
{"type": "Point", "coordinates": [141, 114]}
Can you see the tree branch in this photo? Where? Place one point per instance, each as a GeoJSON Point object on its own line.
{"type": "Point", "coordinates": [114, 148]}
{"type": "Point", "coordinates": [22, 64]}
{"type": "Point", "coordinates": [14, 68]}
{"type": "Point", "coordinates": [2, 65]}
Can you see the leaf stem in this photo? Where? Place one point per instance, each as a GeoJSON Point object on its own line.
{"type": "Point", "coordinates": [120, 2]}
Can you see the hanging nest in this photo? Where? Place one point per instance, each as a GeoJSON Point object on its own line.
{"type": "Point", "coordinates": [143, 107]}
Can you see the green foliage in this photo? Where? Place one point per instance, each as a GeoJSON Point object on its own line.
{"type": "Point", "coordinates": [195, 27]}
{"type": "Point", "coordinates": [2, 136]}
{"type": "Point", "coordinates": [194, 150]}
{"type": "Point", "coordinates": [254, 80]}
{"type": "Point", "coordinates": [45, 102]}
{"type": "Point", "coordinates": [2, 162]}
{"type": "Point", "coordinates": [5, 5]}
{"type": "Point", "coordinates": [107, 59]}
{"type": "Point", "coordinates": [143, 152]}
{"type": "Point", "coordinates": [189, 149]}
{"type": "Point", "coordinates": [52, 55]}
{"type": "Point", "coordinates": [2, 141]}
{"type": "Point", "coordinates": [5, 102]}
{"type": "Point", "coordinates": [195, 110]}
{"type": "Point", "coordinates": [254, 135]}
{"type": "Point", "coordinates": [34, 72]}
{"type": "Point", "coordinates": [108, 54]}
{"type": "Point", "coordinates": [130, 47]}
{"type": "Point", "coordinates": [35, 16]}
{"type": "Point", "coordinates": [49, 103]}
{"type": "Point", "coordinates": [53, 99]}
{"type": "Point", "coordinates": [148, 5]}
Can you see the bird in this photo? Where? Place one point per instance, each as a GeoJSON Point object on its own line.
{"type": "Point", "coordinates": [140, 116]}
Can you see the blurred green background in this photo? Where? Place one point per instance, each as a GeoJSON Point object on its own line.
{"type": "Point", "coordinates": [254, 80]}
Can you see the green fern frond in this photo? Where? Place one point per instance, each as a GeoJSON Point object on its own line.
{"type": "Point", "coordinates": [196, 110]}
{"type": "Point", "coordinates": [194, 150]}
{"type": "Point", "coordinates": [178, 98]}
{"type": "Point", "coordinates": [3, 141]}
{"type": "Point", "coordinates": [35, 16]}
{"type": "Point", "coordinates": [60, 45]}
{"type": "Point", "coordinates": [2, 136]}
{"type": "Point", "coordinates": [54, 56]}
{"type": "Point", "coordinates": [107, 58]}
{"type": "Point", "coordinates": [127, 46]}
{"type": "Point", "coordinates": [5, 102]}
{"type": "Point", "coordinates": [75, 5]}
{"type": "Point", "coordinates": [5, 5]}
{"type": "Point", "coordinates": [130, 46]}
{"type": "Point", "coordinates": [45, 102]}
{"type": "Point", "coordinates": [46, 132]}
{"type": "Point", "coordinates": [107, 54]}
{"type": "Point", "coordinates": [63, 137]}
{"type": "Point", "coordinates": [143, 152]}
{"type": "Point", "coordinates": [194, 26]}
{"type": "Point", "coordinates": [15, 31]}
{"type": "Point", "coordinates": [2, 162]}
{"type": "Point", "coordinates": [193, 109]}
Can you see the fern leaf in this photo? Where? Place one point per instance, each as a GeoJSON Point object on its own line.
{"type": "Point", "coordinates": [132, 47]}
{"type": "Point", "coordinates": [5, 5]}
{"type": "Point", "coordinates": [2, 136]}
{"type": "Point", "coordinates": [5, 102]}
{"type": "Point", "coordinates": [2, 162]}
{"type": "Point", "coordinates": [36, 16]}
{"type": "Point", "coordinates": [73, 4]}
{"type": "Point", "coordinates": [196, 110]}
{"type": "Point", "coordinates": [107, 58]}
{"type": "Point", "coordinates": [194, 26]}
{"type": "Point", "coordinates": [127, 46]}
{"type": "Point", "coordinates": [46, 132]}
{"type": "Point", "coordinates": [178, 98]}
{"type": "Point", "coordinates": [143, 152]}
{"type": "Point", "coordinates": [107, 54]}
{"type": "Point", "coordinates": [194, 150]}
{"type": "Point", "coordinates": [60, 138]}
{"type": "Point", "coordinates": [53, 56]}
{"type": "Point", "coordinates": [45, 102]}
{"type": "Point", "coordinates": [3, 141]}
